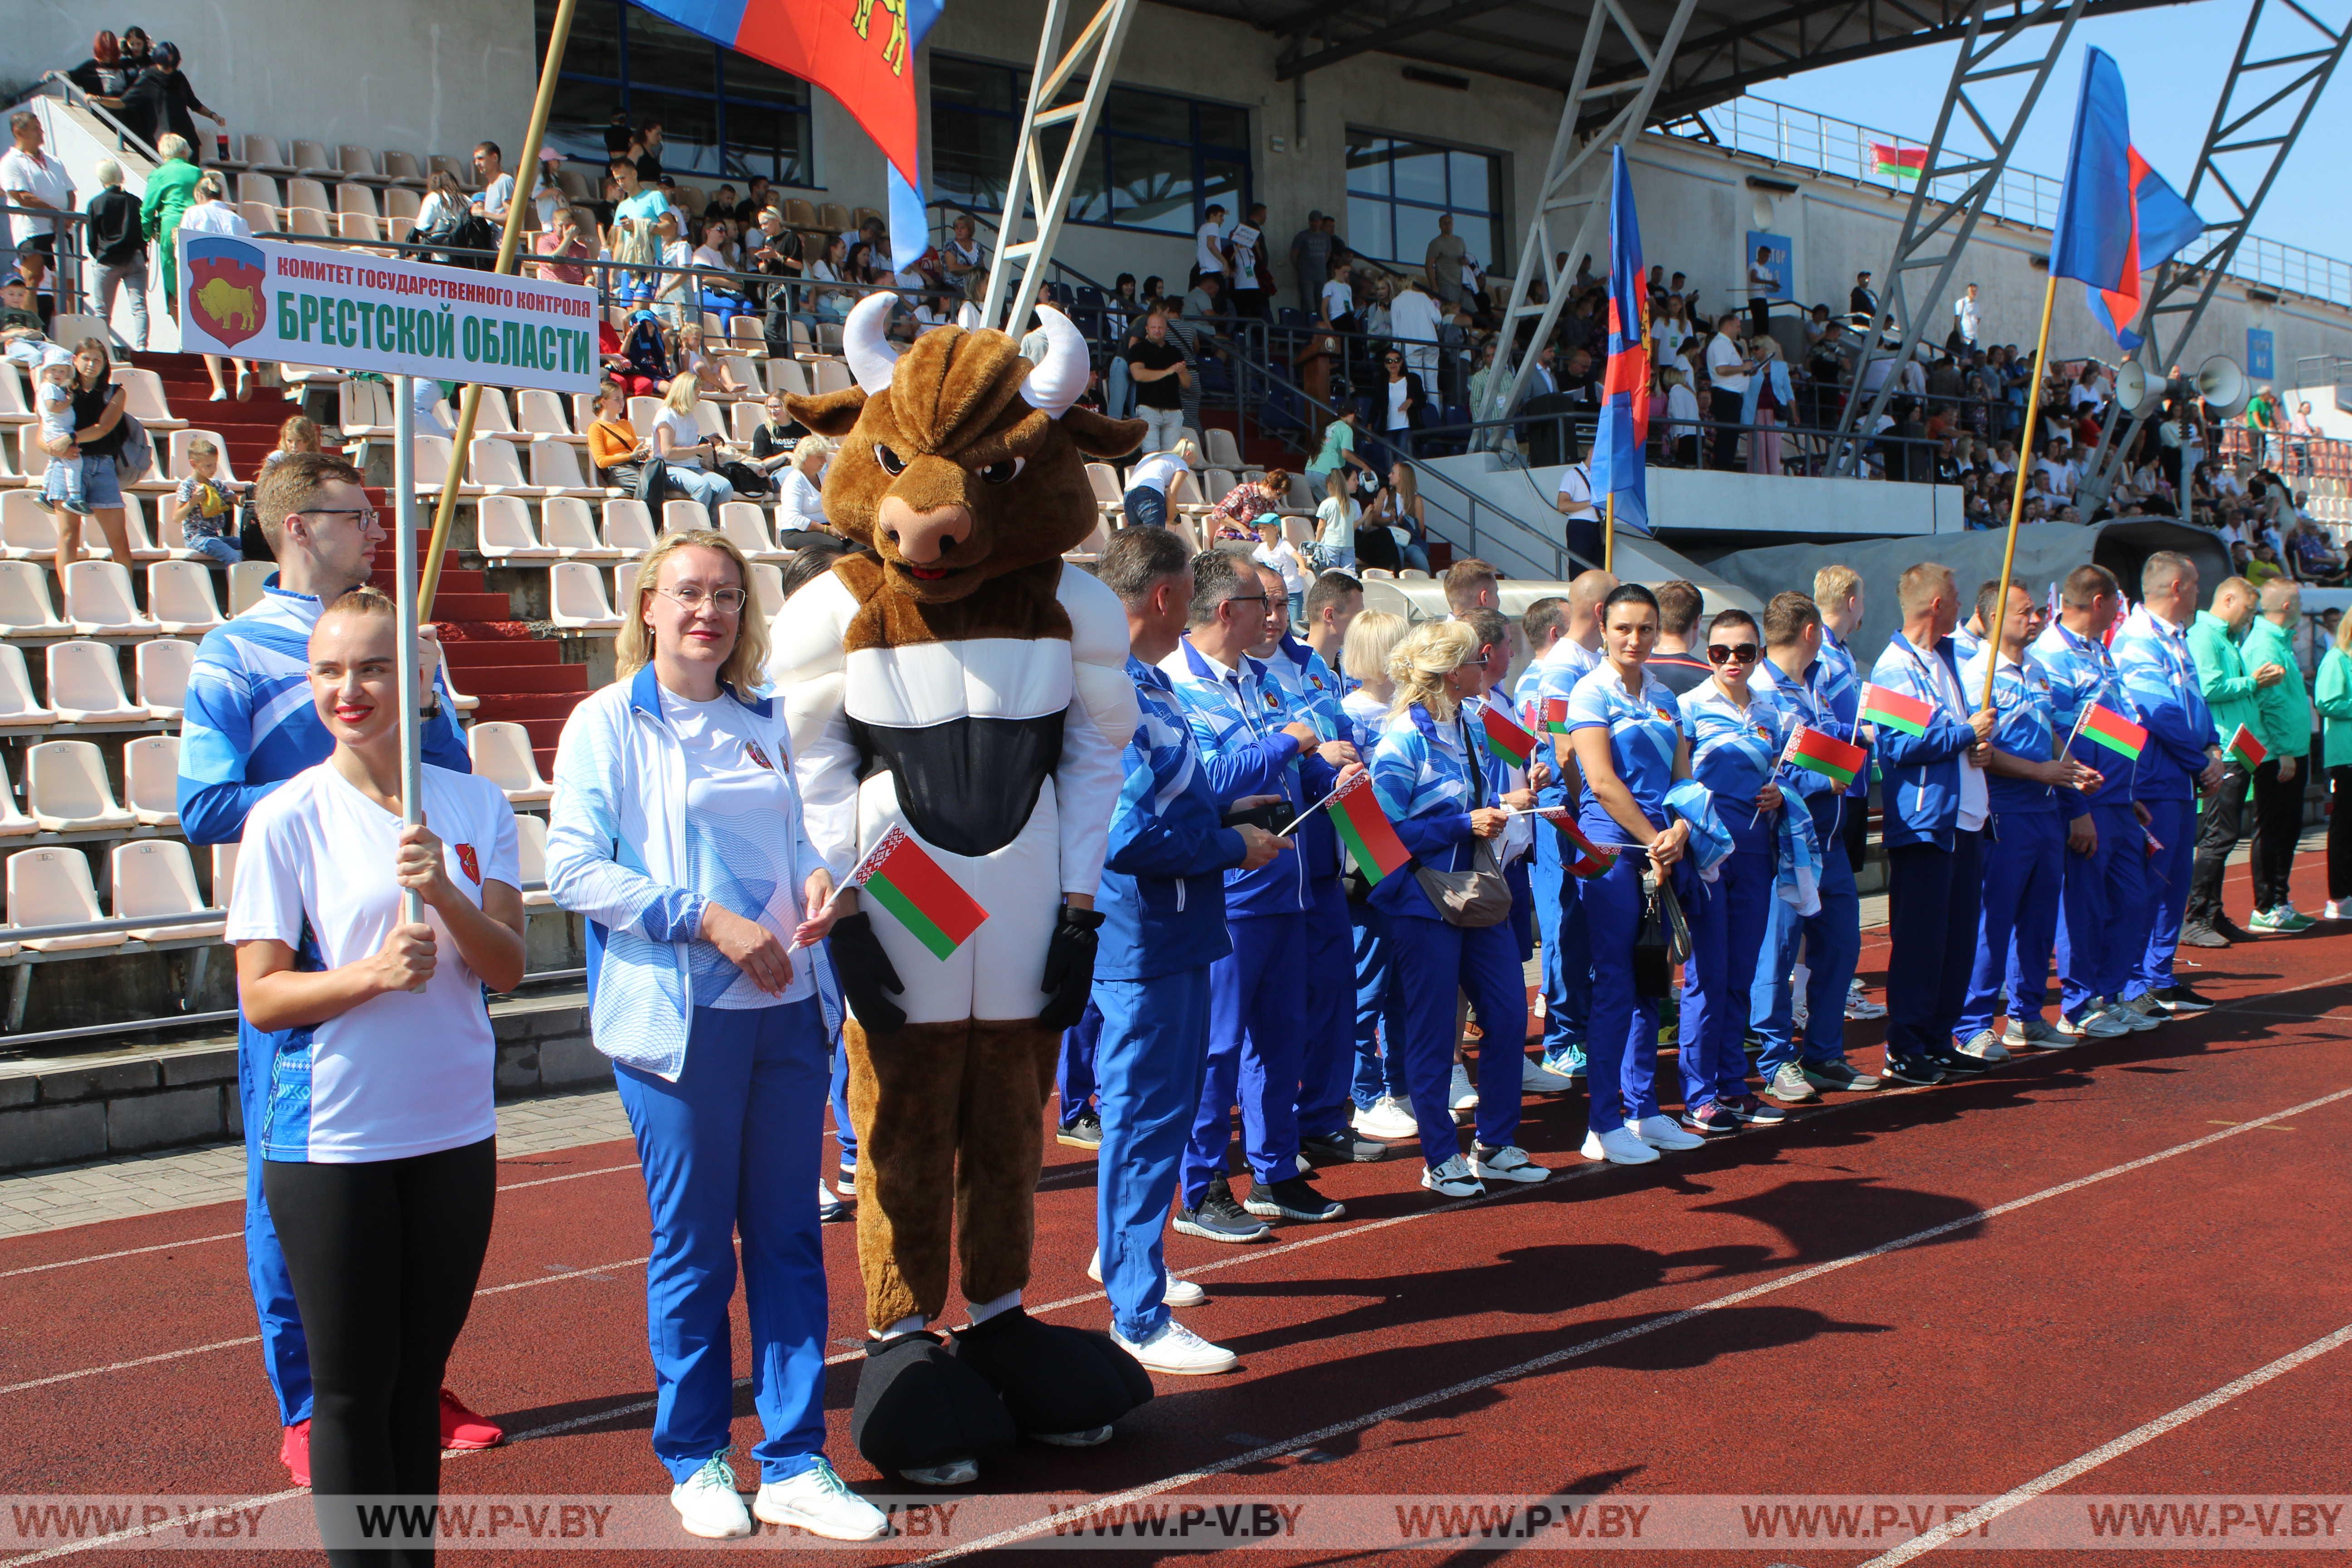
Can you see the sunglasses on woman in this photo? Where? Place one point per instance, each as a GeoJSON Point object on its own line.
{"type": "Point", "coordinates": [1731, 653]}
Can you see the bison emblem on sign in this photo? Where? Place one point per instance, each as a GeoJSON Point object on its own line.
{"type": "Point", "coordinates": [225, 289]}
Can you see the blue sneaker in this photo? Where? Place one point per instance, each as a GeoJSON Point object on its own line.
{"type": "Point", "coordinates": [1568, 1063]}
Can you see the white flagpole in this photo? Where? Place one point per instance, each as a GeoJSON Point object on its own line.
{"type": "Point", "coordinates": [404, 555]}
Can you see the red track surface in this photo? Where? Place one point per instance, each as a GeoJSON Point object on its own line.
{"type": "Point", "coordinates": [1756, 1341]}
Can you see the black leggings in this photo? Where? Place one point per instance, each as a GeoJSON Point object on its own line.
{"type": "Point", "coordinates": [385, 1256]}
{"type": "Point", "coordinates": [2339, 834]}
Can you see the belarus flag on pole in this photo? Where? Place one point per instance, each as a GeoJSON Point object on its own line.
{"type": "Point", "coordinates": [1504, 737]}
{"type": "Point", "coordinates": [1899, 162]}
{"type": "Point", "coordinates": [1620, 442]}
{"type": "Point", "coordinates": [2116, 217]}
{"type": "Point", "coordinates": [1827, 755]}
{"type": "Point", "coordinates": [1364, 829]}
{"type": "Point", "coordinates": [912, 886]}
{"type": "Point", "coordinates": [1591, 859]}
{"type": "Point", "coordinates": [2113, 731]}
{"type": "Point", "coordinates": [1908, 714]}
{"type": "Point", "coordinates": [2246, 749]}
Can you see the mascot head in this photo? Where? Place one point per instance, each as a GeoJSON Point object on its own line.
{"type": "Point", "coordinates": [960, 461]}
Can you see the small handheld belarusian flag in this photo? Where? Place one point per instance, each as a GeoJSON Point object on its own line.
{"type": "Point", "coordinates": [1373, 843]}
{"type": "Point", "coordinates": [1591, 860]}
{"type": "Point", "coordinates": [2246, 749]}
{"type": "Point", "coordinates": [1899, 162]}
{"type": "Point", "coordinates": [1908, 714]}
{"type": "Point", "coordinates": [2113, 731]}
{"type": "Point", "coordinates": [1504, 736]}
{"type": "Point", "coordinates": [1827, 755]}
{"type": "Point", "coordinates": [912, 886]}
{"type": "Point", "coordinates": [1555, 715]}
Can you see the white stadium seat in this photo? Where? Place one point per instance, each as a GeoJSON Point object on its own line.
{"type": "Point", "coordinates": [24, 606]}
{"type": "Point", "coordinates": [154, 877]}
{"type": "Point", "coordinates": [163, 666]}
{"type": "Point", "coordinates": [64, 781]}
{"type": "Point", "coordinates": [502, 530]}
{"type": "Point", "coordinates": [98, 599]}
{"type": "Point", "coordinates": [629, 527]}
{"type": "Point", "coordinates": [17, 705]}
{"type": "Point", "coordinates": [501, 753]}
{"type": "Point", "coordinates": [180, 596]}
{"type": "Point", "coordinates": [86, 685]}
{"type": "Point", "coordinates": [569, 529]}
{"type": "Point", "coordinates": [151, 779]}
{"type": "Point", "coordinates": [575, 598]}
{"type": "Point", "coordinates": [51, 886]}
{"type": "Point", "coordinates": [530, 857]}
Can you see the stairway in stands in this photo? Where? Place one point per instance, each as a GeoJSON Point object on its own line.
{"type": "Point", "coordinates": [518, 676]}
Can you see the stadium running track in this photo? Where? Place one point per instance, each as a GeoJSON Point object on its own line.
{"type": "Point", "coordinates": [2116, 1269]}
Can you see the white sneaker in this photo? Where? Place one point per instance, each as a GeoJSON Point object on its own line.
{"type": "Point", "coordinates": [2095, 1023]}
{"type": "Point", "coordinates": [1177, 1293]}
{"type": "Point", "coordinates": [1453, 1179]}
{"type": "Point", "coordinates": [1985, 1046]}
{"type": "Point", "coordinates": [820, 1502]}
{"type": "Point", "coordinates": [1537, 1078]}
{"type": "Point", "coordinates": [1459, 1095]}
{"type": "Point", "coordinates": [2333, 911]}
{"type": "Point", "coordinates": [1388, 1121]}
{"type": "Point", "coordinates": [1175, 1349]}
{"type": "Point", "coordinates": [1858, 1006]}
{"type": "Point", "coordinates": [1508, 1164]}
{"type": "Point", "coordinates": [1665, 1133]}
{"type": "Point", "coordinates": [708, 1503]}
{"type": "Point", "coordinates": [1619, 1146]}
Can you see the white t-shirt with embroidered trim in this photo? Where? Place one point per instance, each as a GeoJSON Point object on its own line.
{"type": "Point", "coordinates": [404, 1074]}
{"type": "Point", "coordinates": [739, 849]}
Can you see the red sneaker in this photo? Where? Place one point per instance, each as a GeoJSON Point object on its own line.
{"type": "Point", "coordinates": [462, 1429]}
{"type": "Point", "coordinates": [294, 1452]}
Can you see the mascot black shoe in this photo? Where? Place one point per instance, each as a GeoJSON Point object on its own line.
{"type": "Point", "coordinates": [924, 1413]}
{"type": "Point", "coordinates": [1062, 1385]}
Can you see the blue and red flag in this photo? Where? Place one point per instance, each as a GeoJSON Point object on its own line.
{"type": "Point", "coordinates": [1618, 467]}
{"type": "Point", "coordinates": [860, 51]}
{"type": "Point", "coordinates": [2116, 217]}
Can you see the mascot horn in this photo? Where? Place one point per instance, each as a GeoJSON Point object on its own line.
{"type": "Point", "coordinates": [956, 679]}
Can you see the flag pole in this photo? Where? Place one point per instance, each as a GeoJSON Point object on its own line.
{"type": "Point", "coordinates": [1608, 535]}
{"type": "Point", "coordinates": [2017, 491]}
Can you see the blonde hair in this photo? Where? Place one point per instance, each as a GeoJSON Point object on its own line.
{"type": "Point", "coordinates": [201, 448]}
{"type": "Point", "coordinates": [1835, 584]}
{"type": "Point", "coordinates": [2344, 633]}
{"type": "Point", "coordinates": [208, 188]}
{"type": "Point", "coordinates": [109, 171]}
{"type": "Point", "coordinates": [1372, 636]}
{"type": "Point", "coordinates": [633, 648]}
{"type": "Point", "coordinates": [1420, 664]}
{"type": "Point", "coordinates": [366, 600]}
{"type": "Point", "coordinates": [806, 448]}
{"type": "Point", "coordinates": [682, 395]}
{"type": "Point", "coordinates": [174, 145]}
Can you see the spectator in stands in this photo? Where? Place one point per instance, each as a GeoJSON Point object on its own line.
{"type": "Point", "coordinates": [204, 508]}
{"type": "Point", "coordinates": [210, 213]}
{"type": "Point", "coordinates": [1399, 507]}
{"type": "Point", "coordinates": [443, 204]}
{"type": "Point", "coordinates": [799, 493]}
{"type": "Point", "coordinates": [1681, 418]}
{"type": "Point", "coordinates": [162, 101]}
{"type": "Point", "coordinates": [495, 185]}
{"type": "Point", "coordinates": [716, 279]}
{"type": "Point", "coordinates": [1441, 262]}
{"type": "Point", "coordinates": [674, 284]}
{"type": "Point", "coordinates": [298, 433]}
{"type": "Point", "coordinates": [686, 453]}
{"type": "Point", "coordinates": [97, 410]}
{"type": "Point", "coordinates": [103, 76]}
{"type": "Point", "coordinates": [29, 177]}
{"type": "Point", "coordinates": [1671, 330]}
{"type": "Point", "coordinates": [1145, 502]}
{"type": "Point", "coordinates": [646, 356]}
{"type": "Point", "coordinates": [39, 280]}
{"type": "Point", "coordinates": [832, 304]}
{"type": "Point", "coordinates": [1253, 280]}
{"type": "Point", "coordinates": [1311, 260]}
{"type": "Point", "coordinates": [549, 198]}
{"type": "Point", "coordinates": [1335, 532]}
{"type": "Point", "coordinates": [1861, 301]}
{"type": "Point", "coordinates": [1277, 555]}
{"type": "Point", "coordinates": [20, 325]}
{"type": "Point", "coordinates": [1250, 499]}
{"type": "Point", "coordinates": [1401, 403]}
{"type": "Point", "coordinates": [963, 260]}
{"type": "Point", "coordinates": [774, 438]}
{"type": "Point", "coordinates": [1672, 662]}
{"type": "Point", "coordinates": [1158, 371]}
{"type": "Point", "coordinates": [1339, 298]}
{"type": "Point", "coordinates": [1338, 452]}
{"type": "Point", "coordinates": [1209, 245]}
{"type": "Point", "coordinates": [119, 249]}
{"type": "Point", "coordinates": [562, 239]}
{"type": "Point", "coordinates": [1413, 321]}
{"type": "Point", "coordinates": [1762, 407]}
{"type": "Point", "coordinates": [615, 451]}
{"type": "Point", "coordinates": [647, 152]}
{"type": "Point", "coordinates": [1729, 368]}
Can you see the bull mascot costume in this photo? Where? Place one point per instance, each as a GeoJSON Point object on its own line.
{"type": "Point", "coordinates": [957, 680]}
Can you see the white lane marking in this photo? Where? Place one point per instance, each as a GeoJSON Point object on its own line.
{"type": "Point", "coordinates": [1635, 1330]}
{"type": "Point", "coordinates": [139, 1531]}
{"type": "Point", "coordinates": [1952, 1528]}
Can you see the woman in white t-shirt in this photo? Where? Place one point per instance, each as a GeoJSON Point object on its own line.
{"type": "Point", "coordinates": [677, 830]}
{"type": "Point", "coordinates": [1145, 499]}
{"type": "Point", "coordinates": [1278, 555]}
{"type": "Point", "coordinates": [683, 447]}
{"type": "Point", "coordinates": [1334, 526]}
{"type": "Point", "coordinates": [378, 1136]}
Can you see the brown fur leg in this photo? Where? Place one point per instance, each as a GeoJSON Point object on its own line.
{"type": "Point", "coordinates": [902, 1100]}
{"type": "Point", "coordinates": [1009, 1075]}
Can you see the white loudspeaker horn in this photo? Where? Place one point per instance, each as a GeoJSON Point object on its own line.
{"type": "Point", "coordinates": [2131, 386]}
{"type": "Point", "coordinates": [2223, 386]}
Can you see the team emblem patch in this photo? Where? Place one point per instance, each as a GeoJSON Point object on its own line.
{"type": "Point", "coordinates": [758, 755]}
{"type": "Point", "coordinates": [468, 864]}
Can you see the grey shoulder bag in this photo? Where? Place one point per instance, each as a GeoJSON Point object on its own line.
{"type": "Point", "coordinates": [1477, 896]}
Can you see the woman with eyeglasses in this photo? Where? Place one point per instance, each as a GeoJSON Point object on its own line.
{"type": "Point", "coordinates": [677, 831]}
{"type": "Point", "coordinates": [1626, 730]}
{"type": "Point", "coordinates": [1737, 734]}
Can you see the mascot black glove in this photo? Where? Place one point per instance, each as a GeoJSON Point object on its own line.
{"type": "Point", "coordinates": [1070, 968]}
{"type": "Point", "coordinates": [866, 970]}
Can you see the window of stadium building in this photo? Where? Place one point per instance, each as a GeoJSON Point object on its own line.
{"type": "Point", "coordinates": [1157, 159]}
{"type": "Point", "coordinates": [1399, 188]}
{"type": "Point", "coordinates": [723, 115]}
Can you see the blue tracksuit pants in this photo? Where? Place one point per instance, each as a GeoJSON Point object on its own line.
{"type": "Point", "coordinates": [1257, 1027]}
{"type": "Point", "coordinates": [1567, 952]}
{"type": "Point", "coordinates": [1833, 947]}
{"type": "Point", "coordinates": [1727, 921]}
{"type": "Point", "coordinates": [1620, 1042]}
{"type": "Point", "coordinates": [285, 1355]}
{"type": "Point", "coordinates": [2017, 920]}
{"type": "Point", "coordinates": [731, 1147]}
{"type": "Point", "coordinates": [845, 1131]}
{"type": "Point", "coordinates": [1435, 963]}
{"type": "Point", "coordinates": [2101, 912]}
{"type": "Point", "coordinates": [2166, 899]}
{"type": "Point", "coordinates": [1931, 918]}
{"type": "Point", "coordinates": [1380, 1027]}
{"type": "Point", "coordinates": [1327, 1068]}
{"type": "Point", "coordinates": [1074, 1074]}
{"type": "Point", "coordinates": [1149, 1065]}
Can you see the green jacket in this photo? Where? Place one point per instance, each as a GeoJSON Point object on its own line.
{"type": "Point", "coordinates": [2285, 728]}
{"type": "Point", "coordinates": [2221, 671]}
{"type": "Point", "coordinates": [167, 197]}
{"type": "Point", "coordinates": [2331, 694]}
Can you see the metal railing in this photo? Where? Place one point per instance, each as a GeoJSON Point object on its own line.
{"type": "Point", "coordinates": [70, 273]}
{"type": "Point", "coordinates": [1803, 139]}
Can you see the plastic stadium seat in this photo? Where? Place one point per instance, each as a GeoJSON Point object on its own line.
{"type": "Point", "coordinates": [163, 666]}
{"type": "Point", "coordinates": [830, 375]}
{"type": "Point", "coordinates": [180, 596]}
{"type": "Point", "coordinates": [493, 418]}
{"type": "Point", "coordinates": [541, 414]}
{"type": "Point", "coordinates": [175, 464]}
{"type": "Point", "coordinates": [1215, 483]}
{"type": "Point", "coordinates": [501, 753]}
{"type": "Point", "coordinates": [151, 779]}
{"type": "Point", "coordinates": [401, 167]}
{"type": "Point", "coordinates": [400, 205]}
{"type": "Point", "coordinates": [743, 420]}
{"type": "Point", "coordinates": [569, 529]}
{"type": "Point", "coordinates": [502, 530]}
{"type": "Point", "coordinates": [628, 526]}
{"type": "Point", "coordinates": [144, 398]}
{"type": "Point", "coordinates": [17, 705]}
{"type": "Point", "coordinates": [493, 465]}
{"type": "Point", "coordinates": [643, 411]}
{"type": "Point", "coordinates": [363, 408]}
{"type": "Point", "coordinates": [25, 606]}
{"type": "Point", "coordinates": [625, 588]}
{"type": "Point", "coordinates": [355, 201]}
{"type": "Point", "coordinates": [172, 538]}
{"type": "Point", "coordinates": [259, 217]}
{"type": "Point", "coordinates": [155, 878]}
{"type": "Point", "coordinates": [13, 820]}
{"type": "Point", "coordinates": [309, 222]}
{"type": "Point", "coordinates": [555, 469]}
{"type": "Point", "coordinates": [64, 782]}
{"type": "Point", "coordinates": [747, 525]}
{"type": "Point", "coordinates": [51, 886]}
{"type": "Point", "coordinates": [28, 530]}
{"type": "Point", "coordinates": [266, 155]}
{"type": "Point", "coordinates": [86, 685]}
{"type": "Point", "coordinates": [432, 459]}
{"type": "Point", "coordinates": [357, 162]}
{"type": "Point", "coordinates": [312, 158]}
{"type": "Point", "coordinates": [254, 187]}
{"type": "Point", "coordinates": [678, 515]}
{"type": "Point", "coordinates": [1091, 547]}
{"type": "Point", "coordinates": [98, 599]}
{"type": "Point", "coordinates": [531, 859]}
{"type": "Point", "coordinates": [134, 530]}
{"type": "Point", "coordinates": [1184, 495]}
{"type": "Point", "coordinates": [303, 193]}
{"type": "Point", "coordinates": [463, 703]}
{"type": "Point", "coordinates": [245, 583]}
{"type": "Point", "coordinates": [710, 420]}
{"type": "Point", "coordinates": [788, 376]}
{"type": "Point", "coordinates": [1223, 451]}
{"type": "Point", "coordinates": [767, 589]}
{"type": "Point", "coordinates": [575, 598]}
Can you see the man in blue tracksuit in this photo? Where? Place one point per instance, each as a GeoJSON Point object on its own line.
{"type": "Point", "coordinates": [1936, 812]}
{"type": "Point", "coordinates": [1252, 748]}
{"type": "Point", "coordinates": [1560, 914]}
{"type": "Point", "coordinates": [249, 727]}
{"type": "Point", "coordinates": [2105, 877]}
{"type": "Point", "coordinates": [2018, 918]}
{"type": "Point", "coordinates": [2182, 758]}
{"type": "Point", "coordinates": [1163, 907]}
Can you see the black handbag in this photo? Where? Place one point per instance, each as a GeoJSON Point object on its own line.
{"type": "Point", "coordinates": [1663, 939]}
